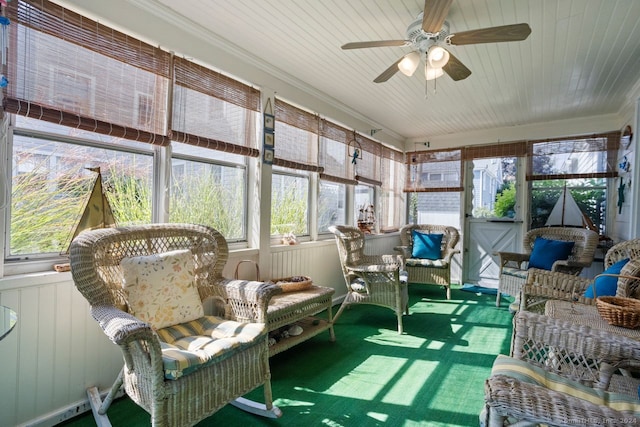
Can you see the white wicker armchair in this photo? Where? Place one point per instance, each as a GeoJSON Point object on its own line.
{"type": "Point", "coordinates": [175, 383]}
{"type": "Point", "coordinates": [514, 266]}
{"type": "Point", "coordinates": [370, 279]}
{"type": "Point", "coordinates": [425, 271]}
{"type": "Point", "coordinates": [543, 285]}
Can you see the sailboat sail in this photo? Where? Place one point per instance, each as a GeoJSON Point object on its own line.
{"type": "Point", "coordinates": [97, 212]}
{"type": "Point", "coordinates": [567, 213]}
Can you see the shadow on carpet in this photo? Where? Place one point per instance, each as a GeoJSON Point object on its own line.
{"type": "Point", "coordinates": [479, 289]}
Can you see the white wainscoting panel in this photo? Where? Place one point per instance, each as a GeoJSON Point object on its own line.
{"type": "Point", "coordinates": [53, 354]}
{"type": "Point", "coordinates": [57, 350]}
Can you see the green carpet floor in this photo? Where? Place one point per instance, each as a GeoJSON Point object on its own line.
{"type": "Point", "coordinates": [433, 375]}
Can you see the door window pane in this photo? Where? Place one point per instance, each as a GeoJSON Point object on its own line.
{"type": "Point", "coordinates": [494, 188]}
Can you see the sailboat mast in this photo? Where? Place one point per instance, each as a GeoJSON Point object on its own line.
{"type": "Point", "coordinates": [564, 202]}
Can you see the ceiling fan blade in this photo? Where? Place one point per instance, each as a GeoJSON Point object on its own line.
{"type": "Point", "coordinates": [456, 69]}
{"type": "Point", "coordinates": [378, 43]}
{"type": "Point", "coordinates": [389, 72]}
{"type": "Point", "coordinates": [504, 33]}
{"type": "Point", "coordinates": [435, 12]}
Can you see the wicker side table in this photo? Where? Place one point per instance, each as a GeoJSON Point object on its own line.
{"type": "Point", "coordinates": [300, 307]}
{"type": "Point", "coordinates": [586, 315]}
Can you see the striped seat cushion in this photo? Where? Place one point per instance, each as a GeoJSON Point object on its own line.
{"type": "Point", "coordinates": [190, 346]}
{"type": "Point", "coordinates": [421, 262]}
{"type": "Point", "coordinates": [525, 372]}
{"type": "Point", "coordinates": [359, 285]}
{"type": "Point", "coordinates": [512, 271]}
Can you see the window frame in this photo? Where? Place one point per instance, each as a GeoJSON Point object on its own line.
{"type": "Point", "coordinates": [32, 263]}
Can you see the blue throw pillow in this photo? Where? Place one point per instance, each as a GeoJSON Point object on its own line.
{"type": "Point", "coordinates": [545, 252]}
{"type": "Point", "coordinates": [606, 286]}
{"type": "Point", "coordinates": [426, 246]}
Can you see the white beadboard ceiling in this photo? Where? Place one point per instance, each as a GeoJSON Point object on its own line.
{"type": "Point", "coordinates": [582, 58]}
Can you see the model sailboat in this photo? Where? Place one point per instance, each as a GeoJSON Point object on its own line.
{"type": "Point", "coordinates": [567, 213]}
{"type": "Point", "coordinates": [97, 213]}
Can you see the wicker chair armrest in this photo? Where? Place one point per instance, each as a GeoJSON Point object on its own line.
{"type": "Point", "coordinates": [568, 266]}
{"type": "Point", "coordinates": [405, 251]}
{"type": "Point", "coordinates": [375, 268]}
{"type": "Point", "coordinates": [121, 327]}
{"type": "Point", "coordinates": [536, 404]}
{"type": "Point", "coordinates": [629, 282]}
{"type": "Point", "coordinates": [245, 300]}
{"type": "Point", "coordinates": [449, 253]}
{"type": "Point", "coordinates": [518, 258]}
{"type": "Point", "coordinates": [557, 281]}
{"type": "Point", "coordinates": [534, 297]}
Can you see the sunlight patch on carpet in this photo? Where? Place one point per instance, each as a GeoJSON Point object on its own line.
{"type": "Point", "coordinates": [435, 345]}
{"type": "Point", "coordinates": [407, 388]}
{"type": "Point", "coordinates": [383, 378]}
{"type": "Point", "coordinates": [289, 402]}
{"type": "Point", "coordinates": [378, 416]}
{"type": "Point", "coordinates": [393, 339]}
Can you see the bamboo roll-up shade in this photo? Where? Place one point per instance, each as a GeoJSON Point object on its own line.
{"type": "Point", "coordinates": [331, 178]}
{"type": "Point", "coordinates": [434, 171]}
{"type": "Point", "coordinates": [214, 144]}
{"type": "Point", "coordinates": [58, 22]}
{"type": "Point", "coordinates": [495, 150]}
{"type": "Point", "coordinates": [577, 157]}
{"type": "Point", "coordinates": [334, 154]}
{"type": "Point", "coordinates": [296, 138]}
{"type": "Point", "coordinates": [296, 117]}
{"type": "Point", "coordinates": [73, 71]}
{"type": "Point", "coordinates": [208, 106]}
{"type": "Point", "coordinates": [368, 166]}
{"type": "Point", "coordinates": [214, 84]}
{"type": "Point", "coordinates": [393, 199]}
{"type": "Point", "coordinates": [392, 169]}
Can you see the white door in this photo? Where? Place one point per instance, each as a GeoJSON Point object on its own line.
{"type": "Point", "coordinates": [493, 218]}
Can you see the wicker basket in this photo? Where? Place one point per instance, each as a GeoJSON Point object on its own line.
{"type": "Point", "coordinates": [294, 283]}
{"type": "Point", "coordinates": [620, 311]}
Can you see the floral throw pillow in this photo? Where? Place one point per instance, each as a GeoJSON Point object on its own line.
{"type": "Point", "coordinates": [161, 288]}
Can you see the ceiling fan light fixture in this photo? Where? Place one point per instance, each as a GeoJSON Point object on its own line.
{"type": "Point", "coordinates": [437, 57]}
{"type": "Point", "coordinates": [432, 73]}
{"type": "Point", "coordinates": [409, 63]}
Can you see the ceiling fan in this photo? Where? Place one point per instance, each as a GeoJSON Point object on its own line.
{"type": "Point", "coordinates": [429, 33]}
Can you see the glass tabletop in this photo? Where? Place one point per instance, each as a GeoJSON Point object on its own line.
{"type": "Point", "coordinates": [8, 319]}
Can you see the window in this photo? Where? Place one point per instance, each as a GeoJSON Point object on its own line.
{"type": "Point", "coordinates": [393, 211]}
{"type": "Point", "coordinates": [209, 187]}
{"type": "Point", "coordinates": [589, 194]}
{"type": "Point", "coordinates": [364, 202]}
{"type": "Point", "coordinates": [50, 185]}
{"type": "Point", "coordinates": [581, 165]}
{"type": "Point", "coordinates": [296, 155]}
{"type": "Point", "coordinates": [289, 203]}
{"type": "Point", "coordinates": [331, 205]}
{"type": "Point", "coordinates": [442, 207]}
